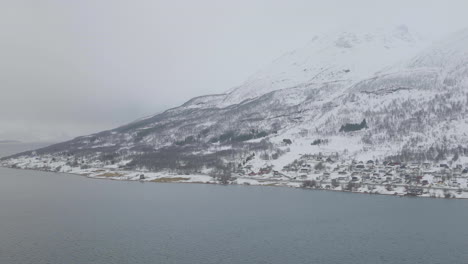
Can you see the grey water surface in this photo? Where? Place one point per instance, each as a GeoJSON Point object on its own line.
{"type": "Point", "coordinates": [61, 218]}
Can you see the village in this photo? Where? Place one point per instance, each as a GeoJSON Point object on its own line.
{"type": "Point", "coordinates": [319, 171]}
{"type": "Point", "coordinates": [324, 171]}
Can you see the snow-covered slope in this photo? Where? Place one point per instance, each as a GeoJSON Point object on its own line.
{"type": "Point", "coordinates": [344, 57]}
{"type": "Point", "coordinates": [412, 107]}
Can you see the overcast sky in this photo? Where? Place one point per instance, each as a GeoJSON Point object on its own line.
{"type": "Point", "coordinates": [69, 68]}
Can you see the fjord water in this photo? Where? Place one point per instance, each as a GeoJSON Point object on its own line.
{"type": "Point", "coordinates": [61, 218]}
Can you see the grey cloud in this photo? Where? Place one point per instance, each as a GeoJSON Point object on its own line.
{"type": "Point", "coordinates": [75, 67]}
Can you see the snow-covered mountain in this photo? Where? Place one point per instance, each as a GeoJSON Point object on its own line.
{"type": "Point", "coordinates": [412, 97]}
{"type": "Point", "coordinates": [344, 57]}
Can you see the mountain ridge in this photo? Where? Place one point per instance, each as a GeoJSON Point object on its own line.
{"type": "Point", "coordinates": [398, 100]}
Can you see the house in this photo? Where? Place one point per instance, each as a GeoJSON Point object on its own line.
{"type": "Point", "coordinates": [360, 167]}
{"type": "Point", "coordinates": [343, 178]}
{"type": "Point", "coordinates": [454, 183]}
{"type": "Point", "coordinates": [398, 180]}
{"type": "Point", "coordinates": [438, 178]}
{"type": "Point", "coordinates": [443, 165]}
{"type": "Point", "coordinates": [353, 185]}
{"type": "Point", "coordinates": [264, 171]}
{"type": "Point", "coordinates": [308, 157]}
{"type": "Point", "coordinates": [414, 191]}
{"type": "Point", "coordinates": [335, 183]}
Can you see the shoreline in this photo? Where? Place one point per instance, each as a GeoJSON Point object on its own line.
{"type": "Point", "coordinates": [268, 182]}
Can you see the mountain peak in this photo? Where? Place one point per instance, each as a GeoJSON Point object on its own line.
{"type": "Point", "coordinates": [343, 56]}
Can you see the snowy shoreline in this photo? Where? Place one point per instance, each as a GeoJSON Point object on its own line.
{"type": "Point", "coordinates": [164, 177]}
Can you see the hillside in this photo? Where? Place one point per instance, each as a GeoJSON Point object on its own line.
{"type": "Point", "coordinates": [413, 101]}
